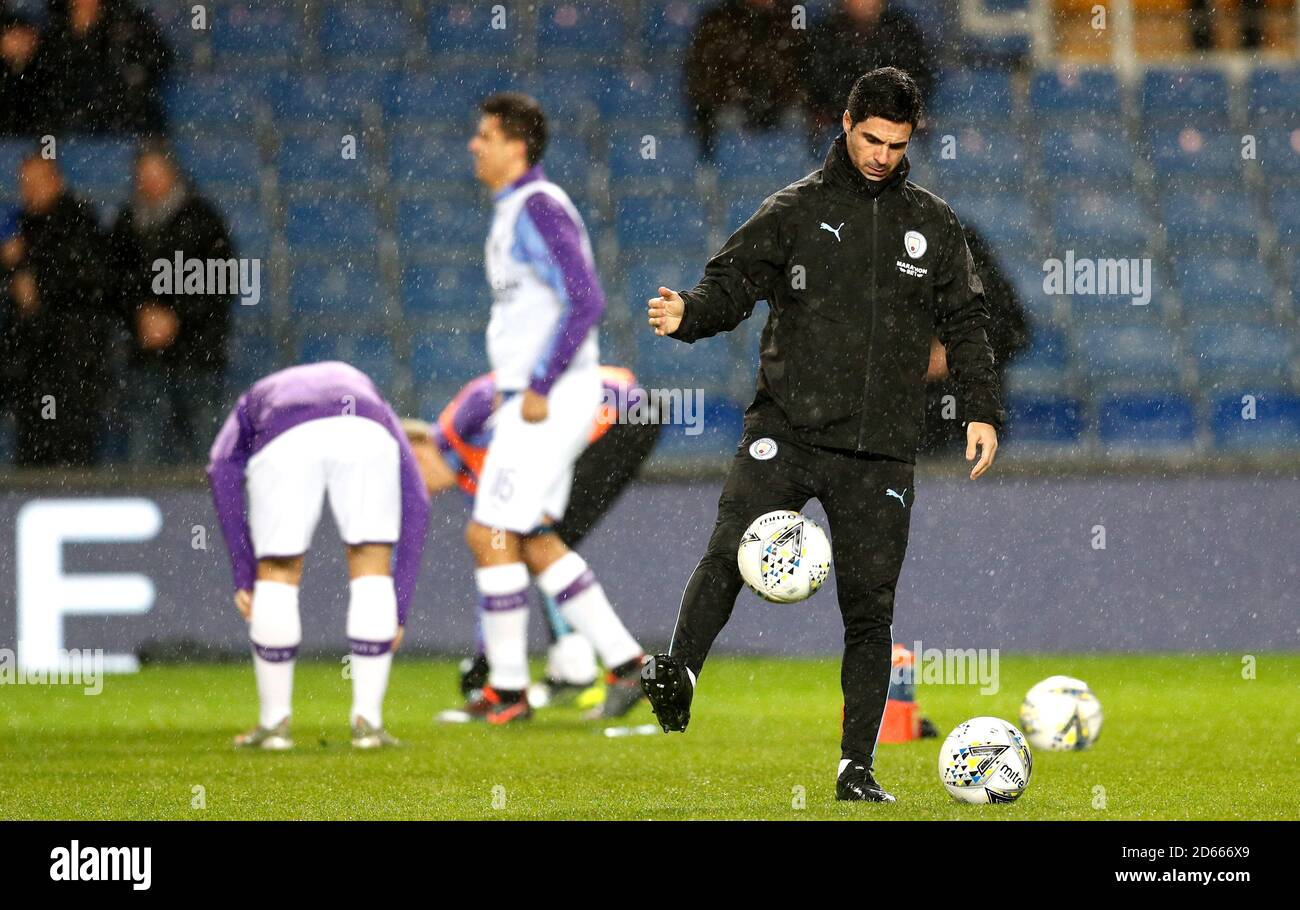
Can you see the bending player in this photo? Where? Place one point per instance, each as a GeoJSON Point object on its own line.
{"type": "Point", "coordinates": [450, 453]}
{"type": "Point", "coordinates": [294, 437]}
{"type": "Point", "coordinates": [542, 344]}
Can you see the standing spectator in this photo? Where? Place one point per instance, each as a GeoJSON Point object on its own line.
{"type": "Point", "coordinates": [860, 36]}
{"type": "Point", "coordinates": [177, 362]}
{"type": "Point", "coordinates": [1249, 14]}
{"type": "Point", "coordinates": [745, 53]}
{"type": "Point", "coordinates": [58, 326]}
{"type": "Point", "coordinates": [1007, 332]}
{"type": "Point", "coordinates": [21, 97]}
{"type": "Point", "coordinates": [104, 62]}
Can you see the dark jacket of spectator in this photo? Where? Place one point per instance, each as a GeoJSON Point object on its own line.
{"type": "Point", "coordinates": [22, 84]}
{"type": "Point", "coordinates": [57, 338]}
{"type": "Point", "coordinates": [188, 223]}
{"type": "Point", "coordinates": [842, 47]}
{"type": "Point", "coordinates": [1008, 334]}
{"type": "Point", "coordinates": [746, 53]}
{"type": "Point", "coordinates": [108, 77]}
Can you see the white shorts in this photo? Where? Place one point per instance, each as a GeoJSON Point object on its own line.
{"type": "Point", "coordinates": [528, 469]}
{"type": "Point", "coordinates": [355, 459]}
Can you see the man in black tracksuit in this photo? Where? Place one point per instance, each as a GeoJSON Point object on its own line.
{"type": "Point", "coordinates": [860, 269]}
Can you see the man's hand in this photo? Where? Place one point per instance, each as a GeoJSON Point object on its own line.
{"type": "Point", "coordinates": [665, 311]}
{"type": "Point", "coordinates": [23, 288]}
{"type": "Point", "coordinates": [244, 604]}
{"type": "Point", "coordinates": [938, 368]}
{"type": "Point", "coordinates": [397, 639]}
{"type": "Point", "coordinates": [157, 326]}
{"type": "Point", "coordinates": [12, 251]}
{"type": "Point", "coordinates": [983, 436]}
{"type": "Point", "coordinates": [534, 408]}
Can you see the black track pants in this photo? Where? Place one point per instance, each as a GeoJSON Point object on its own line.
{"type": "Point", "coordinates": [868, 530]}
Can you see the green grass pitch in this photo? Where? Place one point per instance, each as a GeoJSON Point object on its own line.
{"type": "Point", "coordinates": [1185, 737]}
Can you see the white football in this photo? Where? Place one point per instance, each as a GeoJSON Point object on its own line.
{"type": "Point", "coordinates": [1061, 714]}
{"type": "Point", "coordinates": [985, 760]}
{"type": "Point", "coordinates": [784, 556]}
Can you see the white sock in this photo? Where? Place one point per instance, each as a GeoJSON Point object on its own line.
{"type": "Point", "coordinates": [571, 660]}
{"type": "Point", "coordinates": [276, 632]}
{"type": "Point", "coordinates": [503, 611]}
{"type": "Point", "coordinates": [584, 606]}
{"type": "Point", "coordinates": [844, 763]}
{"type": "Point", "coordinates": [372, 626]}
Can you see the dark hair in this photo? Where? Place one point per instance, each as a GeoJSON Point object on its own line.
{"type": "Point", "coordinates": [886, 92]}
{"type": "Point", "coordinates": [521, 118]}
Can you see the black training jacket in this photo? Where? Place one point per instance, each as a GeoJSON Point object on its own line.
{"type": "Point", "coordinates": [858, 277]}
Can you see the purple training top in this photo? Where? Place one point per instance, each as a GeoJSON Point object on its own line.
{"type": "Point", "coordinates": [281, 401]}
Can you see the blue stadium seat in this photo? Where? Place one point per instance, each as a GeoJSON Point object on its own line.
{"type": "Point", "coordinates": [465, 29]}
{"type": "Point", "coordinates": [1275, 424]}
{"type": "Point", "coordinates": [1285, 206]}
{"type": "Point", "coordinates": [94, 162]}
{"type": "Point", "coordinates": [660, 221]}
{"type": "Point", "coordinates": [774, 158]}
{"type": "Point", "coordinates": [1142, 421]}
{"type": "Point", "coordinates": [449, 293]}
{"type": "Point", "coordinates": [667, 26]}
{"type": "Point", "coordinates": [448, 356]}
{"type": "Point", "coordinates": [571, 94]}
{"type": "Point", "coordinates": [443, 225]}
{"type": "Point", "coordinates": [371, 353]}
{"type": "Point", "coordinates": [1005, 220]}
{"type": "Point", "coordinates": [427, 160]}
{"type": "Point", "coordinates": [1279, 154]}
{"type": "Point", "coordinates": [652, 151]}
{"type": "Point", "coordinates": [336, 99]}
{"type": "Point", "coordinates": [1191, 96]}
{"type": "Point", "coordinates": [251, 358]}
{"type": "Point", "coordinates": [1071, 95]}
{"type": "Point", "coordinates": [1099, 223]}
{"type": "Point", "coordinates": [568, 162]}
{"type": "Point", "coordinates": [367, 31]}
{"type": "Point", "coordinates": [1026, 274]}
{"type": "Point", "coordinates": [642, 278]}
{"type": "Point", "coordinates": [340, 288]}
{"type": "Point", "coordinates": [220, 160]}
{"type": "Point", "coordinates": [247, 225]}
{"type": "Point", "coordinates": [444, 100]}
{"type": "Point", "coordinates": [972, 96]}
{"type": "Point", "coordinates": [1134, 356]}
{"type": "Point", "coordinates": [707, 364]}
{"type": "Point", "coordinates": [580, 27]}
{"type": "Point", "coordinates": [1041, 367]}
{"type": "Point", "coordinates": [988, 155]}
{"type": "Point", "coordinates": [328, 226]}
{"type": "Point", "coordinates": [264, 30]}
{"type": "Point", "coordinates": [1193, 153]}
{"type": "Point", "coordinates": [1217, 216]}
{"type": "Point", "coordinates": [1224, 289]}
{"type": "Point", "coordinates": [216, 100]}
{"type": "Point", "coordinates": [1241, 353]}
{"type": "Point", "coordinates": [1274, 95]}
{"type": "Point", "coordinates": [1087, 154]}
{"type": "Point", "coordinates": [1044, 419]}
{"type": "Point", "coordinates": [714, 433]}
{"type": "Point", "coordinates": [316, 158]}
{"type": "Point", "coordinates": [12, 153]}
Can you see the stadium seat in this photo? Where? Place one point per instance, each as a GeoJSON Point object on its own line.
{"type": "Point", "coordinates": [966, 97]}
{"type": "Point", "coordinates": [217, 161]}
{"type": "Point", "coordinates": [664, 362]}
{"type": "Point", "coordinates": [427, 161]}
{"type": "Point", "coordinates": [264, 31]}
{"type": "Point", "coordinates": [1241, 353]}
{"type": "Point", "coordinates": [1189, 97]}
{"type": "Point", "coordinates": [1044, 419]}
{"type": "Point", "coordinates": [465, 29]}
{"type": "Point", "coordinates": [1040, 367]}
{"type": "Point", "coordinates": [247, 225]}
{"type": "Point", "coordinates": [442, 101]}
{"type": "Point", "coordinates": [715, 429]}
{"type": "Point", "coordinates": [571, 95]}
{"type": "Point", "coordinates": [315, 159]}
{"type": "Point", "coordinates": [1279, 154]}
{"type": "Point", "coordinates": [97, 162]}
{"type": "Point", "coordinates": [1211, 216]}
{"type": "Point", "coordinates": [580, 27]}
{"type": "Point", "coordinates": [1195, 153]}
{"type": "Point", "coordinates": [368, 31]}
{"type": "Point", "coordinates": [251, 358]}
{"type": "Point", "coordinates": [667, 26]}
{"type": "Point", "coordinates": [774, 158]}
{"type": "Point", "coordinates": [1142, 421]}
{"type": "Point", "coordinates": [1025, 271]}
{"type": "Point", "coordinates": [344, 288]}
{"type": "Point", "coordinates": [1134, 356]}
{"type": "Point", "coordinates": [1100, 223]}
{"type": "Point", "coordinates": [1005, 220]}
{"type": "Point", "coordinates": [642, 278]}
{"type": "Point", "coordinates": [1087, 154]}
{"type": "Point", "coordinates": [1072, 95]}
{"type": "Point", "coordinates": [450, 225]}
{"type": "Point", "coordinates": [451, 294]}
{"type": "Point", "coordinates": [568, 162]}
{"type": "Point", "coordinates": [325, 227]}
{"type": "Point", "coordinates": [660, 221]}
{"type": "Point", "coordinates": [988, 155]}
{"type": "Point", "coordinates": [1275, 424]}
{"type": "Point", "coordinates": [448, 357]}
{"type": "Point", "coordinates": [1224, 289]}
{"type": "Point", "coordinates": [371, 353]}
{"type": "Point", "coordinates": [653, 151]}
{"type": "Point", "coordinates": [336, 100]}
{"type": "Point", "coordinates": [215, 100]}
{"type": "Point", "coordinates": [1274, 95]}
{"type": "Point", "coordinates": [643, 95]}
{"type": "Point", "coordinates": [1285, 207]}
